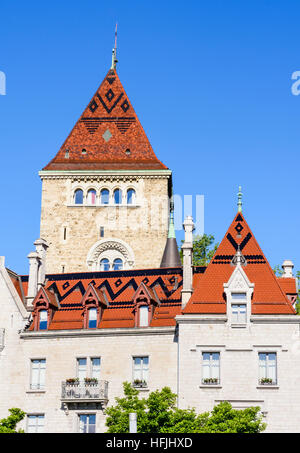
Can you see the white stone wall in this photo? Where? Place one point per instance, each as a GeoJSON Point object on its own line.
{"type": "Point", "coordinates": [116, 352]}
{"type": "Point", "coordinates": [239, 349]}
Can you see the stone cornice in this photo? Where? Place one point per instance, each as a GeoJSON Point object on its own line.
{"type": "Point", "coordinates": [136, 331]}
{"type": "Point", "coordinates": [105, 174]}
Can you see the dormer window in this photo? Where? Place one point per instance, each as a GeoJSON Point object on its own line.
{"type": "Point", "coordinates": [143, 316]}
{"type": "Point", "coordinates": [239, 310]}
{"type": "Point", "coordinates": [92, 314]}
{"type": "Point", "coordinates": [239, 313]}
{"type": "Point", "coordinates": [43, 320]}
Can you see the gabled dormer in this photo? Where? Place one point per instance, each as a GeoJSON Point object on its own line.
{"type": "Point", "coordinates": [238, 291]}
{"type": "Point", "coordinates": [145, 300]}
{"type": "Point", "coordinates": [45, 304]}
{"type": "Point", "coordinates": [93, 303]}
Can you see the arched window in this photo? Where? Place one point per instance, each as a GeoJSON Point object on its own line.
{"type": "Point", "coordinates": [78, 196]}
{"type": "Point", "coordinates": [104, 264]}
{"type": "Point", "coordinates": [117, 264]}
{"type": "Point", "coordinates": [91, 196]}
{"type": "Point", "coordinates": [104, 196]}
{"type": "Point", "coordinates": [144, 316]}
{"type": "Point", "coordinates": [118, 196]}
{"type": "Point", "coordinates": [43, 321]}
{"type": "Point", "coordinates": [130, 196]}
{"type": "Point", "coordinates": [92, 313]}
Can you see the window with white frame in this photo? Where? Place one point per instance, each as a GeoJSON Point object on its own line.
{"type": "Point", "coordinates": [35, 423]}
{"type": "Point", "coordinates": [239, 308]}
{"type": "Point", "coordinates": [92, 318]}
{"type": "Point", "coordinates": [87, 423]}
{"type": "Point", "coordinates": [43, 319]}
{"type": "Point", "coordinates": [140, 371]}
{"type": "Point", "coordinates": [267, 367]}
{"type": "Point", "coordinates": [144, 316]}
{"type": "Point", "coordinates": [81, 368]}
{"type": "Point", "coordinates": [38, 372]}
{"type": "Point", "coordinates": [210, 367]}
{"type": "Point", "coordinates": [95, 367]}
{"type": "Point", "coordinates": [88, 367]}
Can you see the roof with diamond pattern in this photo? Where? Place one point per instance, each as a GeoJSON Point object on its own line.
{"type": "Point", "coordinates": [107, 136]}
{"type": "Point", "coordinates": [268, 295]}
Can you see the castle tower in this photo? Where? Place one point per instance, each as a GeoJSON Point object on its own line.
{"type": "Point", "coordinates": [105, 195]}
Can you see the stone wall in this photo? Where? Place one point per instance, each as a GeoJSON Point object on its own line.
{"type": "Point", "coordinates": [142, 226]}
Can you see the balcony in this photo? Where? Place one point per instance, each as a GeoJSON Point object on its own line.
{"type": "Point", "coordinates": [84, 392]}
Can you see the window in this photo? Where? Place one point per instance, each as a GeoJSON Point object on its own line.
{"type": "Point", "coordinates": [95, 367]}
{"type": "Point", "coordinates": [65, 233]}
{"type": "Point", "coordinates": [102, 232]}
{"type": "Point", "coordinates": [210, 368]}
{"type": "Point", "coordinates": [81, 369]}
{"type": "Point", "coordinates": [104, 196]}
{"type": "Point", "coordinates": [239, 313]}
{"type": "Point", "coordinates": [35, 423]}
{"type": "Point", "coordinates": [117, 264]}
{"type": "Point", "coordinates": [92, 313]}
{"type": "Point", "coordinates": [238, 296]}
{"type": "Point", "coordinates": [88, 367]}
{"type": "Point", "coordinates": [144, 316]}
{"type": "Point", "coordinates": [118, 196]}
{"type": "Point", "coordinates": [38, 371]}
{"type": "Point", "coordinates": [78, 196]}
{"type": "Point", "coordinates": [91, 196]}
{"type": "Point", "coordinates": [130, 196]}
{"type": "Point", "coordinates": [104, 264]}
{"type": "Point", "coordinates": [267, 368]}
{"type": "Point", "coordinates": [140, 370]}
{"type": "Point", "coordinates": [43, 317]}
{"type": "Point", "coordinates": [87, 423]}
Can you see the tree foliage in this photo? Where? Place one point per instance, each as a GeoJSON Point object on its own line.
{"type": "Point", "coordinates": [159, 414]}
{"type": "Point", "coordinates": [203, 249]}
{"type": "Point", "coordinates": [8, 425]}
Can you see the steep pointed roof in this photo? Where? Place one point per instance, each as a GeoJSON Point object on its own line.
{"type": "Point", "coordinates": [171, 257]}
{"type": "Point", "coordinates": [268, 296]}
{"type": "Point", "coordinates": [108, 135]}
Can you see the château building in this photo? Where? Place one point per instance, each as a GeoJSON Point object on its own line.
{"type": "Point", "coordinates": [107, 300]}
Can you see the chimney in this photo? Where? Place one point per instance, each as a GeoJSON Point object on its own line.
{"type": "Point", "coordinates": [287, 267]}
{"type": "Point", "coordinates": [34, 263]}
{"type": "Point", "coordinates": [37, 270]}
{"type": "Point", "coordinates": [41, 248]}
{"type": "Point", "coordinates": [187, 249]}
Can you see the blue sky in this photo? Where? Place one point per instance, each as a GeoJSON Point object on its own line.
{"type": "Point", "coordinates": [210, 83]}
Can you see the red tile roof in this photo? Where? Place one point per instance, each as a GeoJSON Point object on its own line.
{"type": "Point", "coordinates": [110, 133]}
{"type": "Point", "coordinates": [268, 295]}
{"type": "Point", "coordinates": [119, 288]}
{"type": "Point", "coordinates": [288, 285]}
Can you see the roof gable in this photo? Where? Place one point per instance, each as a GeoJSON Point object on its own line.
{"type": "Point", "coordinates": [108, 135]}
{"type": "Point", "coordinates": [268, 297]}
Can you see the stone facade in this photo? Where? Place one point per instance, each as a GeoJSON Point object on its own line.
{"type": "Point", "coordinates": [72, 230]}
{"type": "Point", "coordinates": [239, 366]}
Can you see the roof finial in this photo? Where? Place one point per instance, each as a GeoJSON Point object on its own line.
{"type": "Point", "coordinates": [239, 203]}
{"type": "Point", "coordinates": [114, 60]}
{"type": "Point", "coordinates": [171, 233]}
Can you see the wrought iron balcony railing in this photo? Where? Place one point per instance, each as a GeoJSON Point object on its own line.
{"type": "Point", "coordinates": [84, 392]}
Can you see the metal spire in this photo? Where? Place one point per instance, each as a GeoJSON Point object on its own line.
{"type": "Point", "coordinates": [171, 233]}
{"type": "Point", "coordinates": [239, 203]}
{"type": "Point", "coordinates": [114, 60]}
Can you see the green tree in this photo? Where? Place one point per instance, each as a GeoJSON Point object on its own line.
{"type": "Point", "coordinates": [8, 425]}
{"type": "Point", "coordinates": [203, 249]}
{"type": "Point", "coordinates": [159, 414]}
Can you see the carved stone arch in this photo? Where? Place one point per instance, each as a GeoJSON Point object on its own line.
{"type": "Point", "coordinates": [110, 248]}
